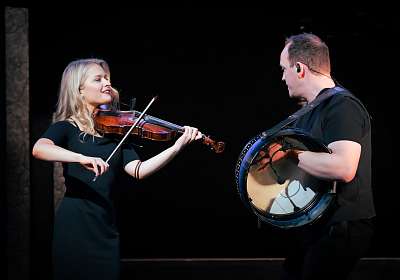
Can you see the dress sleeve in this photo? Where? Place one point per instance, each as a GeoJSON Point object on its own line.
{"type": "Point", "coordinates": [345, 120]}
{"type": "Point", "coordinates": [58, 133]}
{"type": "Point", "coordinates": [128, 154]}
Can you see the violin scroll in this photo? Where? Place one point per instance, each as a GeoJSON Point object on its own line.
{"type": "Point", "coordinates": [217, 147]}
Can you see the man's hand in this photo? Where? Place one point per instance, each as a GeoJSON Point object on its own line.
{"type": "Point", "coordinates": [274, 153]}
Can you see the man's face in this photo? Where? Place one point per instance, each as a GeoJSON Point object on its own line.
{"type": "Point", "coordinates": [289, 75]}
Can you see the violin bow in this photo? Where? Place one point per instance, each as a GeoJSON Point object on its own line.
{"type": "Point", "coordinates": [129, 131]}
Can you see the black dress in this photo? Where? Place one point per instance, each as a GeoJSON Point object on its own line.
{"type": "Point", "coordinates": [86, 239]}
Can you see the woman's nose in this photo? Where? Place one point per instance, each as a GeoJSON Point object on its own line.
{"type": "Point", "coordinates": [106, 82]}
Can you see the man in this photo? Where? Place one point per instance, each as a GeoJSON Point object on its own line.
{"type": "Point", "coordinates": [331, 247]}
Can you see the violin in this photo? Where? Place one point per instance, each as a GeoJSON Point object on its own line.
{"type": "Point", "coordinates": [148, 127]}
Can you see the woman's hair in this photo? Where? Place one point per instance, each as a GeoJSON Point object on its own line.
{"type": "Point", "coordinates": [311, 50]}
{"type": "Point", "coordinates": [70, 101]}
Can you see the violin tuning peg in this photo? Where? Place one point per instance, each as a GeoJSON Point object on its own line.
{"type": "Point", "coordinates": [133, 104]}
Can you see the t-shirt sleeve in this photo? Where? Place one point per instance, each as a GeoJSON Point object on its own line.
{"type": "Point", "coordinates": [58, 133]}
{"type": "Point", "coordinates": [345, 120]}
{"type": "Point", "coordinates": [128, 154]}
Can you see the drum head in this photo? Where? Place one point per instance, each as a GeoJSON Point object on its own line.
{"type": "Point", "coordinates": [276, 190]}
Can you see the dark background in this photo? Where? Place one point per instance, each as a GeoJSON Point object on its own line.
{"type": "Point", "coordinates": [218, 70]}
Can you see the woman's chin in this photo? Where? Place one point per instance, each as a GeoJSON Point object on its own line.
{"type": "Point", "coordinates": [106, 99]}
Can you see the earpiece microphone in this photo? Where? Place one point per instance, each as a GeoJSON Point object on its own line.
{"type": "Point", "coordinates": [298, 68]}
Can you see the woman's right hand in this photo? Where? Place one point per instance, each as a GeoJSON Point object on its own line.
{"type": "Point", "coordinates": [45, 149]}
{"type": "Point", "coordinates": [94, 164]}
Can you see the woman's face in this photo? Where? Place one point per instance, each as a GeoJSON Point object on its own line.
{"type": "Point", "coordinates": [96, 90]}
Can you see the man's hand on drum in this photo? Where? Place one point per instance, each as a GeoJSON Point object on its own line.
{"type": "Point", "coordinates": [272, 154]}
{"type": "Point", "coordinates": [264, 156]}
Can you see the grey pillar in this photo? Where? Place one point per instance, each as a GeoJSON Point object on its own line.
{"type": "Point", "coordinates": [17, 142]}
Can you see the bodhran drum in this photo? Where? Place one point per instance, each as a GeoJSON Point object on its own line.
{"type": "Point", "coordinates": [276, 189]}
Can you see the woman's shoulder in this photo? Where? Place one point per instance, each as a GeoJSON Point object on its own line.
{"type": "Point", "coordinates": [59, 130]}
{"type": "Point", "coordinates": [67, 125]}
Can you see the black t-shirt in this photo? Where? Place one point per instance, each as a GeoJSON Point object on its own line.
{"type": "Point", "coordinates": [343, 117]}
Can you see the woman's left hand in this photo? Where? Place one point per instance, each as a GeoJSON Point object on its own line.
{"type": "Point", "coordinates": [190, 134]}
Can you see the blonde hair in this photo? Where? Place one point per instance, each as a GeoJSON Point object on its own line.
{"type": "Point", "coordinates": [70, 104]}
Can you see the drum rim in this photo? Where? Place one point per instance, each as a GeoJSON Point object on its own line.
{"type": "Point", "coordinates": [286, 220]}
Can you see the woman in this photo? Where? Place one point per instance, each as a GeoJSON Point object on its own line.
{"type": "Point", "coordinates": [86, 240]}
